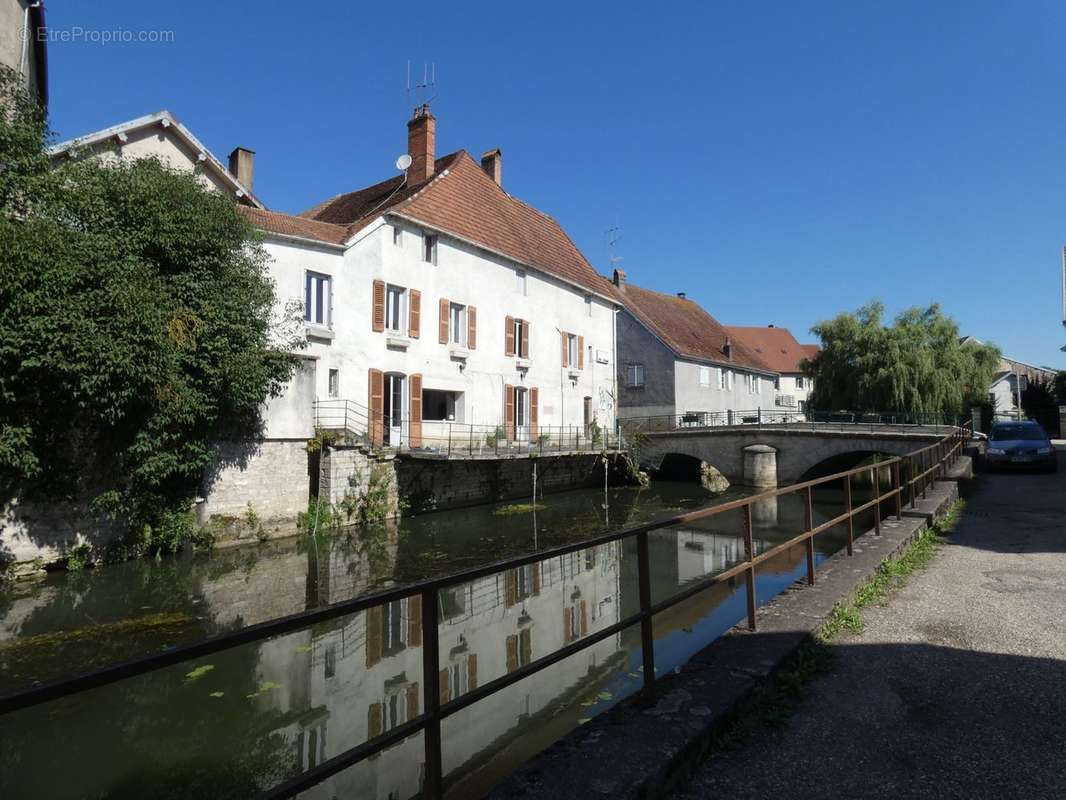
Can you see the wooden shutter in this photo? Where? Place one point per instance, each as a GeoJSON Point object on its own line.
{"type": "Point", "coordinates": [445, 686]}
{"type": "Point", "coordinates": [373, 720]}
{"type": "Point", "coordinates": [568, 633]}
{"type": "Point", "coordinates": [412, 701]}
{"type": "Point", "coordinates": [508, 412]}
{"type": "Point", "coordinates": [414, 314]}
{"type": "Point", "coordinates": [414, 620]}
{"type": "Point", "coordinates": [471, 327]}
{"type": "Point", "coordinates": [580, 352]}
{"type": "Point", "coordinates": [414, 425]}
{"type": "Point", "coordinates": [523, 346]}
{"type": "Point", "coordinates": [376, 406]}
{"type": "Point", "coordinates": [471, 672]}
{"type": "Point", "coordinates": [565, 337]}
{"type": "Point", "coordinates": [525, 639]}
{"type": "Point", "coordinates": [374, 641]}
{"type": "Point", "coordinates": [584, 618]}
{"type": "Point", "coordinates": [508, 336]}
{"type": "Point", "coordinates": [377, 317]}
{"type": "Point", "coordinates": [443, 330]}
{"type": "Point", "coordinates": [510, 588]}
{"type": "Point", "coordinates": [533, 413]}
{"type": "Point", "coordinates": [512, 653]}
{"type": "Point", "coordinates": [536, 578]}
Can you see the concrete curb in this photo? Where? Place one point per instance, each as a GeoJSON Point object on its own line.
{"type": "Point", "coordinates": [643, 746]}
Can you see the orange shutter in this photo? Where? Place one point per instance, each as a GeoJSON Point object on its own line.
{"type": "Point", "coordinates": [412, 701]}
{"type": "Point", "coordinates": [526, 640]}
{"type": "Point", "coordinates": [584, 618]}
{"type": "Point", "coordinates": [471, 672]}
{"type": "Point", "coordinates": [533, 393]}
{"type": "Point", "coordinates": [374, 642]}
{"type": "Point", "coordinates": [414, 620]}
{"type": "Point", "coordinates": [443, 332]}
{"type": "Point", "coordinates": [373, 720]}
{"type": "Point", "coordinates": [508, 336]}
{"type": "Point", "coordinates": [580, 352]}
{"type": "Point", "coordinates": [414, 432]}
{"type": "Point", "coordinates": [512, 653]}
{"type": "Point", "coordinates": [536, 578]}
{"type": "Point", "coordinates": [376, 406]}
{"type": "Point", "coordinates": [510, 587]}
{"type": "Point", "coordinates": [568, 634]}
{"type": "Point", "coordinates": [566, 348]}
{"type": "Point", "coordinates": [445, 687]}
{"type": "Point", "coordinates": [508, 412]}
{"type": "Point", "coordinates": [471, 327]}
{"type": "Point", "coordinates": [414, 316]}
{"type": "Point", "coordinates": [523, 348]}
{"type": "Point", "coordinates": [377, 317]}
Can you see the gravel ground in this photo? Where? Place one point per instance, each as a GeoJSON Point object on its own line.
{"type": "Point", "coordinates": [956, 688]}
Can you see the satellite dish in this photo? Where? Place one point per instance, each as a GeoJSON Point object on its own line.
{"type": "Point", "coordinates": [403, 162]}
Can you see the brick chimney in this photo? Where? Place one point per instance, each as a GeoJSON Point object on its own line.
{"type": "Point", "coordinates": [619, 279]}
{"type": "Point", "coordinates": [421, 145]}
{"type": "Point", "coordinates": [241, 166]}
{"type": "Point", "coordinates": [492, 163]}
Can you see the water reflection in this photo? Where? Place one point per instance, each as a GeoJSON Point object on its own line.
{"type": "Point", "coordinates": [252, 716]}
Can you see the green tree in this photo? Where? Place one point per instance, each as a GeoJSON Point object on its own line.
{"type": "Point", "coordinates": [135, 326]}
{"type": "Point", "coordinates": [1059, 385]}
{"type": "Point", "coordinates": [918, 364]}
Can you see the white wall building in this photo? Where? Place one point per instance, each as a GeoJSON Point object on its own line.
{"type": "Point", "coordinates": [779, 350]}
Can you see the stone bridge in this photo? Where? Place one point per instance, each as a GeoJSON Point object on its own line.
{"type": "Point", "coordinates": [777, 455]}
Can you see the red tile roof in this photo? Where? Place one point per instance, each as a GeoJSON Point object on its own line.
{"type": "Point", "coordinates": [289, 225]}
{"type": "Point", "coordinates": [777, 347]}
{"type": "Point", "coordinates": [461, 200]}
{"type": "Point", "coordinates": [686, 328]}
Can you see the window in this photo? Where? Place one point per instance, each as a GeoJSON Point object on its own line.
{"type": "Point", "coordinates": [334, 383]}
{"type": "Point", "coordinates": [457, 324]}
{"type": "Point", "coordinates": [571, 351]}
{"type": "Point", "coordinates": [393, 627]}
{"type": "Point", "coordinates": [521, 338]}
{"type": "Point", "coordinates": [440, 406]}
{"type": "Point", "coordinates": [397, 236]}
{"type": "Point", "coordinates": [318, 299]}
{"type": "Point", "coordinates": [330, 661]}
{"type": "Point", "coordinates": [635, 375]}
{"type": "Point", "coordinates": [705, 376]}
{"type": "Point", "coordinates": [800, 382]}
{"type": "Point", "coordinates": [429, 248]}
{"type": "Point", "coordinates": [752, 382]}
{"type": "Point", "coordinates": [721, 378]}
{"type": "Point", "coordinates": [520, 281]}
{"type": "Point", "coordinates": [588, 305]}
{"type": "Point", "coordinates": [395, 308]}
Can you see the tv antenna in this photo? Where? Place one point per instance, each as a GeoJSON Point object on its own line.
{"type": "Point", "coordinates": [421, 89]}
{"type": "Point", "coordinates": [613, 235]}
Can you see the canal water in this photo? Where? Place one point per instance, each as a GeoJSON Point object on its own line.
{"type": "Point", "coordinates": [235, 723]}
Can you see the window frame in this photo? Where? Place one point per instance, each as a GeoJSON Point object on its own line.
{"type": "Point", "coordinates": [519, 324]}
{"type": "Point", "coordinates": [632, 382]}
{"type": "Point", "coordinates": [333, 383]}
{"type": "Point", "coordinates": [702, 372]}
{"type": "Point", "coordinates": [400, 328]}
{"type": "Point", "coordinates": [457, 324]}
{"type": "Point", "coordinates": [397, 236]}
{"type": "Point", "coordinates": [573, 358]}
{"type": "Point", "coordinates": [429, 248]}
{"type": "Point", "coordinates": [520, 282]}
{"type": "Point", "coordinates": [311, 279]}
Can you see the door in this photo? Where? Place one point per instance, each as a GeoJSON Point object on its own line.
{"type": "Point", "coordinates": [521, 414]}
{"type": "Point", "coordinates": [588, 414]}
{"type": "Point", "coordinates": [395, 385]}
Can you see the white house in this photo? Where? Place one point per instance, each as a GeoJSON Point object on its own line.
{"type": "Point", "coordinates": [24, 44]}
{"type": "Point", "coordinates": [1010, 378]}
{"type": "Point", "coordinates": [779, 350]}
{"type": "Point", "coordinates": [676, 360]}
{"type": "Point", "coordinates": [438, 305]}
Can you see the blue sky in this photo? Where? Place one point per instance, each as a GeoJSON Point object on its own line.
{"type": "Point", "coordinates": [778, 162]}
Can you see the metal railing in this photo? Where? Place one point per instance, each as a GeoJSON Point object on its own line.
{"type": "Point", "coordinates": [815, 420]}
{"type": "Point", "coordinates": [911, 476]}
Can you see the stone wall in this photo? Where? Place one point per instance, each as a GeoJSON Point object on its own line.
{"type": "Point", "coordinates": [349, 469]}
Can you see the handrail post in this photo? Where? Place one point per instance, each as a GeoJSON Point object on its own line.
{"type": "Point", "coordinates": [809, 517]}
{"type": "Point", "coordinates": [851, 518]}
{"type": "Point", "coordinates": [898, 489]}
{"type": "Point", "coordinates": [647, 638]}
{"type": "Point", "coordinates": [877, 499]}
{"type": "Point", "coordinates": [434, 784]}
{"type": "Point", "coordinates": [925, 474]}
{"type": "Point", "coordinates": [749, 574]}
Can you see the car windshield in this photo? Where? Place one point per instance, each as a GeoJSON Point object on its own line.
{"type": "Point", "coordinates": [1015, 433]}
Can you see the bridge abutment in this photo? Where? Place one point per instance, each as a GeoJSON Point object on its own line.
{"type": "Point", "coordinates": [760, 466]}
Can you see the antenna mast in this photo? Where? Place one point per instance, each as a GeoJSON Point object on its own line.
{"type": "Point", "coordinates": [613, 235]}
{"type": "Point", "coordinates": [422, 89]}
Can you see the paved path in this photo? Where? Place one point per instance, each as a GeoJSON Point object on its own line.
{"type": "Point", "coordinates": [957, 686]}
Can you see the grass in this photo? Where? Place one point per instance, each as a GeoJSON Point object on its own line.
{"type": "Point", "coordinates": [772, 704]}
{"type": "Point", "coordinates": [517, 508]}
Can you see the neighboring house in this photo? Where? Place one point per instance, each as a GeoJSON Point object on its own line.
{"type": "Point", "coordinates": [24, 46]}
{"type": "Point", "coordinates": [675, 359]}
{"type": "Point", "coordinates": [440, 306]}
{"type": "Point", "coordinates": [780, 351]}
{"type": "Point", "coordinates": [162, 136]}
{"type": "Point", "coordinates": [1011, 377]}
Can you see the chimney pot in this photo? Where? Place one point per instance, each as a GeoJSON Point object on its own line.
{"type": "Point", "coordinates": [492, 163]}
{"type": "Point", "coordinates": [421, 145]}
{"type": "Point", "coordinates": [681, 295]}
{"type": "Point", "coordinates": [242, 166]}
{"type": "Point", "coordinates": [619, 278]}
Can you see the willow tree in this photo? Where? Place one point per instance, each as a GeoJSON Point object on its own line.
{"type": "Point", "coordinates": [918, 364]}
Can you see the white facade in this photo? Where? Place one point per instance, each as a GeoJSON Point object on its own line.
{"type": "Point", "coordinates": [704, 388]}
{"type": "Point", "coordinates": [793, 392]}
{"type": "Point", "coordinates": [391, 250]}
